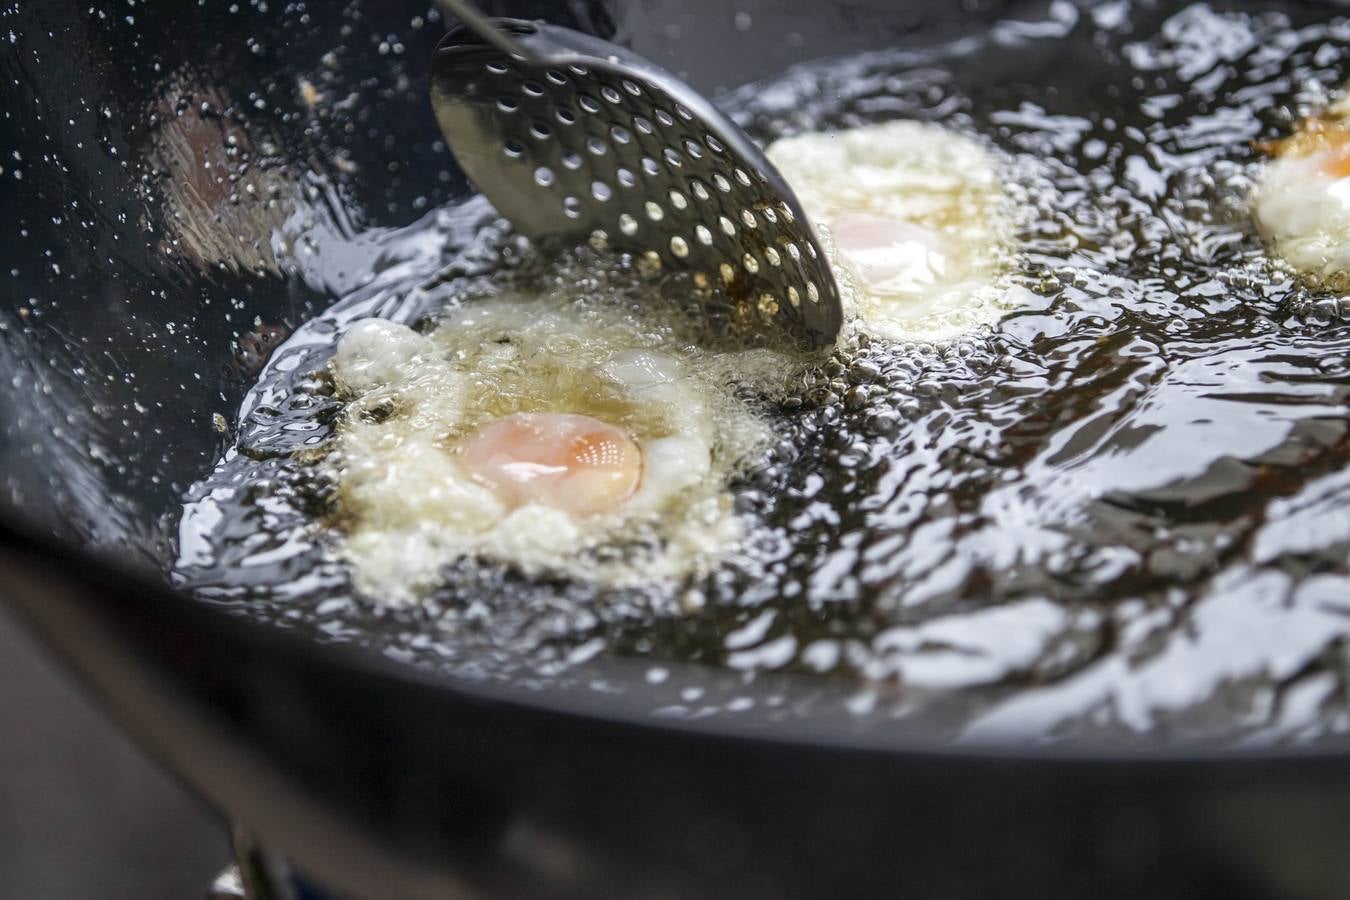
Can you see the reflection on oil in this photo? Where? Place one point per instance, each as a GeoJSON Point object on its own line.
{"type": "Point", "coordinates": [223, 191]}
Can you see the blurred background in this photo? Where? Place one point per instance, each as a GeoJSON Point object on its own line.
{"type": "Point", "coordinates": [83, 812]}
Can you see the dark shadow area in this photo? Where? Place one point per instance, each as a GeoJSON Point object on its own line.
{"type": "Point", "coordinates": [83, 813]}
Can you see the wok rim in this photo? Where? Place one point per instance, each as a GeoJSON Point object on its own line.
{"type": "Point", "coordinates": [98, 571]}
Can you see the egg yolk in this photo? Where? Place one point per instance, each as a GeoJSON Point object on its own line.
{"type": "Point", "coordinates": [888, 254]}
{"type": "Point", "coordinates": [571, 462]}
{"type": "Point", "coordinates": [1328, 138]}
{"type": "Point", "coordinates": [1337, 163]}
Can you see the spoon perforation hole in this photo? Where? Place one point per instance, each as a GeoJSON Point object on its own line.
{"type": "Point", "coordinates": [649, 263]}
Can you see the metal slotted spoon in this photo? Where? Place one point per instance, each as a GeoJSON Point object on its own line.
{"type": "Point", "coordinates": [576, 140]}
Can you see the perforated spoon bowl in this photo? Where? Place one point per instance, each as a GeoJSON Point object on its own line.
{"type": "Point", "coordinates": [576, 140]}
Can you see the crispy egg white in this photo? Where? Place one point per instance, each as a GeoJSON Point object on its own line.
{"type": "Point", "coordinates": [1301, 203]}
{"type": "Point", "coordinates": [535, 434]}
{"type": "Point", "coordinates": [914, 218]}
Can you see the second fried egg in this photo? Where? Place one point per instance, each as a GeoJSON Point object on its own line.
{"type": "Point", "coordinates": [915, 219]}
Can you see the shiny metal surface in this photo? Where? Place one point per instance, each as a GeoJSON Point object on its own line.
{"type": "Point", "coordinates": [229, 885]}
{"type": "Point", "coordinates": [598, 145]}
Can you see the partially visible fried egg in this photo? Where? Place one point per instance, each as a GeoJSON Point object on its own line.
{"type": "Point", "coordinates": [1301, 204]}
{"type": "Point", "coordinates": [536, 434]}
{"type": "Point", "coordinates": [915, 220]}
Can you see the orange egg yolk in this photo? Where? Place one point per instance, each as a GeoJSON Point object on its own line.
{"type": "Point", "coordinates": [575, 463]}
{"type": "Point", "coordinates": [1337, 164]}
{"type": "Point", "coordinates": [1314, 136]}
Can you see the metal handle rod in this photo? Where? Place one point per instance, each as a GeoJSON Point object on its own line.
{"type": "Point", "coordinates": [484, 27]}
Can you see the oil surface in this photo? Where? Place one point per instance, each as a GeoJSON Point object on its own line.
{"type": "Point", "coordinates": [1123, 512]}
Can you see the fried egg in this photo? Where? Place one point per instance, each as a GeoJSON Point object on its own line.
{"type": "Point", "coordinates": [914, 219]}
{"type": "Point", "coordinates": [1301, 204]}
{"type": "Point", "coordinates": [537, 434]}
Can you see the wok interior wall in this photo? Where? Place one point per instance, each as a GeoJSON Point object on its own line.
{"type": "Point", "coordinates": [153, 159]}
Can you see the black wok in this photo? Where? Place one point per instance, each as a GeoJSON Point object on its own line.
{"type": "Point", "coordinates": [371, 774]}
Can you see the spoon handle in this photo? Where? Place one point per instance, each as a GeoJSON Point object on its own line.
{"type": "Point", "coordinates": [484, 27]}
